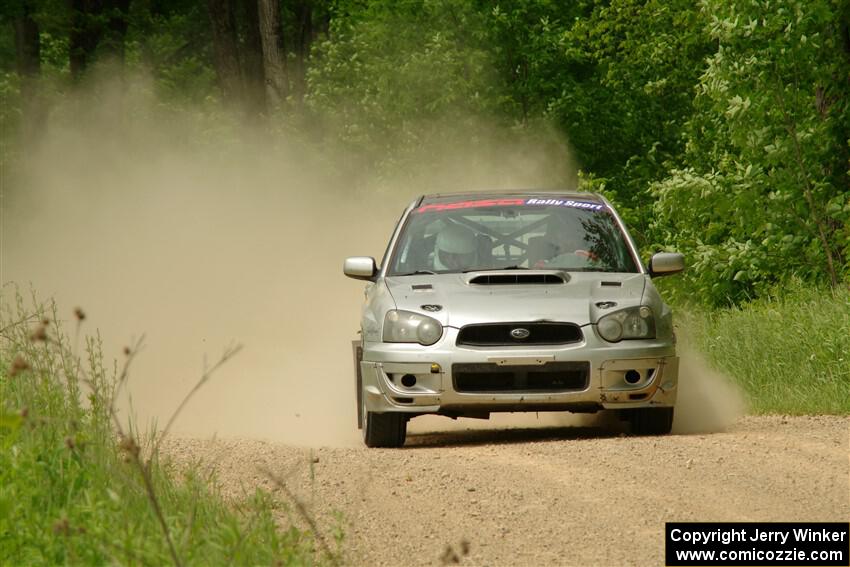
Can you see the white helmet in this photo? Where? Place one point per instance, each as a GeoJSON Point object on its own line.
{"type": "Point", "coordinates": [455, 248]}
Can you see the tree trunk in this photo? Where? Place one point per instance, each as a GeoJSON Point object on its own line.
{"type": "Point", "coordinates": [252, 61]}
{"type": "Point", "coordinates": [226, 49]}
{"type": "Point", "coordinates": [85, 34]}
{"type": "Point", "coordinates": [304, 27]}
{"type": "Point", "coordinates": [96, 25]}
{"type": "Point", "coordinates": [27, 44]}
{"type": "Point", "coordinates": [116, 28]}
{"type": "Point", "coordinates": [323, 26]}
{"type": "Point", "coordinates": [274, 59]}
{"type": "Point", "coordinates": [28, 55]}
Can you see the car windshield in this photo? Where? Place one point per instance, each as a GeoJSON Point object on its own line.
{"type": "Point", "coordinates": [511, 233]}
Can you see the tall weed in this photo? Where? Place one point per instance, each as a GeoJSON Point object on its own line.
{"type": "Point", "coordinates": [790, 351]}
{"type": "Point", "coordinates": [81, 485]}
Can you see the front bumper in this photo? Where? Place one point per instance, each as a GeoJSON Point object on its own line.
{"type": "Point", "coordinates": [386, 367]}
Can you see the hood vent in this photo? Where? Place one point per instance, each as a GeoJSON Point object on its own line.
{"type": "Point", "coordinates": [611, 284]}
{"type": "Point", "coordinates": [513, 279]}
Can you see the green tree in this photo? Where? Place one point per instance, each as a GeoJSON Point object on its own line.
{"type": "Point", "coordinates": [387, 69]}
{"type": "Point", "coordinates": [626, 107]}
{"type": "Point", "coordinates": [763, 193]}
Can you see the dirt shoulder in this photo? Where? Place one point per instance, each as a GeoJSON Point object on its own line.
{"type": "Point", "coordinates": [549, 496]}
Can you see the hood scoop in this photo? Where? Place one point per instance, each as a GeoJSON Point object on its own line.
{"type": "Point", "coordinates": [518, 279]}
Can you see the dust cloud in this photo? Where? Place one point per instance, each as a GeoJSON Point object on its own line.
{"type": "Point", "coordinates": [708, 401]}
{"type": "Point", "coordinates": [158, 224]}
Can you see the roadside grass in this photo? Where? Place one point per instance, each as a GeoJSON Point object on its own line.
{"type": "Point", "coordinates": [79, 486]}
{"type": "Point", "coordinates": [790, 352]}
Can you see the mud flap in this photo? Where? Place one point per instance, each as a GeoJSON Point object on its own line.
{"type": "Point", "coordinates": [357, 351]}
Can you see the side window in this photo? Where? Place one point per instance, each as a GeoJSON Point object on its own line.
{"type": "Point", "coordinates": [385, 258]}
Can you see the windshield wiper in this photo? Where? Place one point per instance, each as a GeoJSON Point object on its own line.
{"type": "Point", "coordinates": [417, 273]}
{"type": "Point", "coordinates": [494, 269]}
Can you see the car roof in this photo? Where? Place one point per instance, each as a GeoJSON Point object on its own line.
{"type": "Point", "coordinates": [524, 193]}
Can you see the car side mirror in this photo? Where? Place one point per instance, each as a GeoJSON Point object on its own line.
{"type": "Point", "coordinates": [666, 263]}
{"type": "Point", "coordinates": [360, 268]}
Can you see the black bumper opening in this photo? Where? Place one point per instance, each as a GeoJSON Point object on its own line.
{"type": "Point", "coordinates": [492, 378]}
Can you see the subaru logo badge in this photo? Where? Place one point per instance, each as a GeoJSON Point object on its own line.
{"type": "Point", "coordinates": [519, 333]}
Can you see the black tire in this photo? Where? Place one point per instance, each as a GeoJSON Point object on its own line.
{"type": "Point", "coordinates": [379, 429]}
{"type": "Point", "coordinates": [651, 421]}
{"type": "Point", "coordinates": [384, 429]}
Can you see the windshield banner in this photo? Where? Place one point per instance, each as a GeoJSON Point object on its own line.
{"type": "Point", "coordinates": [587, 205]}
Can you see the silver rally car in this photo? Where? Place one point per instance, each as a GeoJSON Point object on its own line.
{"type": "Point", "coordinates": [512, 302]}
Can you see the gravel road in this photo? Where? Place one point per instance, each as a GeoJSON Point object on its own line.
{"type": "Point", "coordinates": [546, 496]}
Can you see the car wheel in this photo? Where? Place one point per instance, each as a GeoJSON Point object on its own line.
{"type": "Point", "coordinates": [651, 421]}
{"type": "Point", "coordinates": [379, 429]}
{"type": "Point", "coordinates": [384, 429]}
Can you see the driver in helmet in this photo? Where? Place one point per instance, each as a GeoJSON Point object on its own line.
{"type": "Point", "coordinates": [456, 248]}
{"type": "Point", "coordinates": [567, 248]}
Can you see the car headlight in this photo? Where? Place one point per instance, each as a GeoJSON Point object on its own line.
{"type": "Point", "coordinates": [409, 327]}
{"type": "Point", "coordinates": [631, 323]}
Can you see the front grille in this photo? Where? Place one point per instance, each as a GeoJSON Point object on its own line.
{"type": "Point", "coordinates": [551, 377]}
{"type": "Point", "coordinates": [499, 334]}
